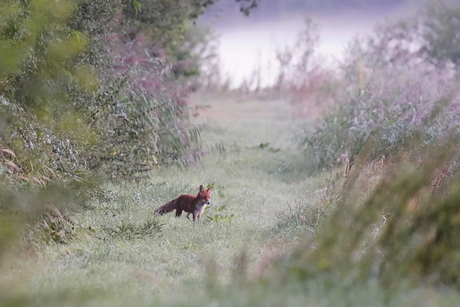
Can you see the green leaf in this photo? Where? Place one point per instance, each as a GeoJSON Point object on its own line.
{"type": "Point", "coordinates": [136, 6]}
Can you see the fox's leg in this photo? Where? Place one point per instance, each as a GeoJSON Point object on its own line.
{"type": "Point", "coordinates": [198, 214]}
{"type": "Point", "coordinates": [194, 216]}
{"type": "Point", "coordinates": [188, 216]}
{"type": "Point", "coordinates": [178, 212]}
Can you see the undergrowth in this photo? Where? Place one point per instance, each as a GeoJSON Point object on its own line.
{"type": "Point", "coordinates": [377, 223]}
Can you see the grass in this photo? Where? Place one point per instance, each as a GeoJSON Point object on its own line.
{"type": "Point", "coordinates": [252, 246]}
{"type": "Point", "coordinates": [122, 253]}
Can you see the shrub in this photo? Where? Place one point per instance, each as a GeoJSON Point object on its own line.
{"type": "Point", "coordinates": [390, 93]}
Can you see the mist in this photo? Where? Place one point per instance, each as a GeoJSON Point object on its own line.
{"type": "Point", "coordinates": [248, 44]}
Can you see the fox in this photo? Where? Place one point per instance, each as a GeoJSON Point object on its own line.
{"type": "Point", "coordinates": [191, 204]}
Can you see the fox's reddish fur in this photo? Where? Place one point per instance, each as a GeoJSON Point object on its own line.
{"type": "Point", "coordinates": [191, 204]}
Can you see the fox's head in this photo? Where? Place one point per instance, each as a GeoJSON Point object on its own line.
{"type": "Point", "coordinates": [205, 195]}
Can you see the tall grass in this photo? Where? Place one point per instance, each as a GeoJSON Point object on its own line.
{"type": "Point", "coordinates": [384, 236]}
{"type": "Point", "coordinates": [380, 232]}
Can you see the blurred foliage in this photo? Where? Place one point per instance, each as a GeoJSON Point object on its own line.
{"type": "Point", "coordinates": [392, 90]}
{"type": "Point", "coordinates": [42, 130]}
{"type": "Point", "coordinates": [400, 230]}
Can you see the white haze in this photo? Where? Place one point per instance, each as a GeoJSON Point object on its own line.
{"type": "Point", "coordinates": [247, 46]}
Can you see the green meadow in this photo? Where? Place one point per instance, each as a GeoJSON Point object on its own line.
{"type": "Point", "coordinates": [239, 254]}
{"type": "Point", "coordinates": [122, 254]}
{"type": "Point", "coordinates": [332, 187]}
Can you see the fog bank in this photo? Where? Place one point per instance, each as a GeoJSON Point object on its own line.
{"type": "Point", "coordinates": [249, 43]}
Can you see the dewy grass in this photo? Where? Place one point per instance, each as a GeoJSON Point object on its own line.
{"type": "Point", "coordinates": [135, 257]}
{"type": "Point", "coordinates": [243, 252]}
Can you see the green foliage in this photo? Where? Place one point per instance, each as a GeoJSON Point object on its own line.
{"type": "Point", "coordinates": [39, 122]}
{"type": "Point", "coordinates": [220, 215]}
{"type": "Point", "coordinates": [42, 131]}
{"type": "Point", "coordinates": [136, 6]}
{"type": "Point", "coordinates": [68, 112]}
{"type": "Point", "coordinates": [130, 231]}
{"type": "Point", "coordinates": [138, 110]}
{"type": "Point", "coordinates": [65, 112]}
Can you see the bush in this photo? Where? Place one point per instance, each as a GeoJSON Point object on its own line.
{"type": "Point", "coordinates": [391, 93]}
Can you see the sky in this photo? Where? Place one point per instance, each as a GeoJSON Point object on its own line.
{"type": "Point", "coordinates": [247, 43]}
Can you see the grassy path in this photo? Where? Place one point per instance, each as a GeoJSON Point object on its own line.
{"type": "Point", "coordinates": [130, 261]}
{"type": "Point", "coordinates": [134, 259]}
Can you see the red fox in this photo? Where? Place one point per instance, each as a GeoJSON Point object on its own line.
{"type": "Point", "coordinates": [188, 203]}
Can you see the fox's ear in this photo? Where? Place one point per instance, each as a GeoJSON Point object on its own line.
{"type": "Point", "coordinates": [201, 189]}
{"type": "Point", "coordinates": [210, 189]}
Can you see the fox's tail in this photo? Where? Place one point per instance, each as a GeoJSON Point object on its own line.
{"type": "Point", "coordinates": [166, 208]}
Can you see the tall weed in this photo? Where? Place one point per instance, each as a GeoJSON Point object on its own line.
{"type": "Point", "coordinates": [398, 230]}
{"type": "Point", "coordinates": [390, 93]}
